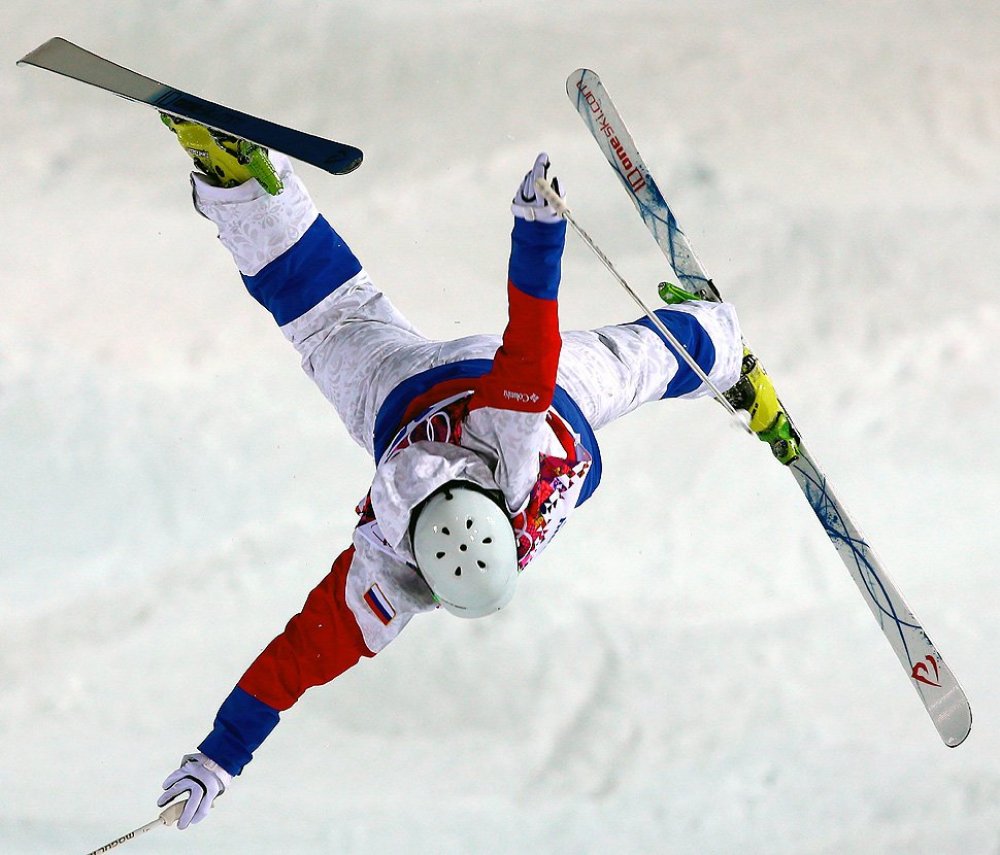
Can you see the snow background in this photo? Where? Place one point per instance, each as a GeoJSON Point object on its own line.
{"type": "Point", "coordinates": [689, 669]}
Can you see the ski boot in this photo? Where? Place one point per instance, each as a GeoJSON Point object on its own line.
{"type": "Point", "coordinates": [227, 160]}
{"type": "Point", "coordinates": [753, 392]}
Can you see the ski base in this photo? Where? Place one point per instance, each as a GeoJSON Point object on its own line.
{"type": "Point", "coordinates": [70, 60]}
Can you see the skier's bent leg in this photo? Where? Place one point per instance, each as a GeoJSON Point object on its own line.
{"type": "Point", "coordinates": [612, 370]}
{"type": "Point", "coordinates": [353, 342]}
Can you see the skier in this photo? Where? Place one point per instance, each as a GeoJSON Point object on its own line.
{"type": "Point", "coordinates": [483, 446]}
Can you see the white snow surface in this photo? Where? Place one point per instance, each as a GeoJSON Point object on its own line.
{"type": "Point", "coordinates": [689, 668]}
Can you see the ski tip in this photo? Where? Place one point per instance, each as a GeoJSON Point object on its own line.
{"type": "Point", "coordinates": [945, 700]}
{"type": "Point", "coordinates": [957, 727]}
{"type": "Point", "coordinates": [349, 163]}
{"type": "Point", "coordinates": [28, 58]}
{"type": "Point", "coordinates": [345, 158]}
{"type": "Point", "coordinates": [577, 77]}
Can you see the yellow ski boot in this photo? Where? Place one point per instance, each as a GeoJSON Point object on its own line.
{"type": "Point", "coordinates": [227, 160]}
{"type": "Point", "coordinates": [755, 393]}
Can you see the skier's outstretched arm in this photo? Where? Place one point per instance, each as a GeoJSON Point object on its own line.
{"type": "Point", "coordinates": [523, 376]}
{"type": "Point", "coordinates": [507, 412]}
{"type": "Point", "coordinates": [319, 643]}
{"type": "Point", "coordinates": [345, 618]}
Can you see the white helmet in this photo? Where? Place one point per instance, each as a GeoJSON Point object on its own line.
{"type": "Point", "coordinates": [464, 545]}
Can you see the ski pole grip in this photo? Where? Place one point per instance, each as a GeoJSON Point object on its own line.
{"type": "Point", "coordinates": [172, 812]}
{"type": "Point", "coordinates": [543, 186]}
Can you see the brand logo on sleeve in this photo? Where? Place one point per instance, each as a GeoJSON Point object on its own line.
{"type": "Point", "coordinates": [521, 397]}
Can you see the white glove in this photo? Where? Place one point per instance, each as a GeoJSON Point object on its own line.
{"type": "Point", "coordinates": [202, 779]}
{"type": "Point", "coordinates": [529, 204]}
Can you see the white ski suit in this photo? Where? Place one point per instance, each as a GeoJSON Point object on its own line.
{"type": "Point", "coordinates": [517, 415]}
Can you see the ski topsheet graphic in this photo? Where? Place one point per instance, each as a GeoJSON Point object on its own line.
{"type": "Point", "coordinates": [72, 61]}
{"type": "Point", "coordinates": [940, 692]}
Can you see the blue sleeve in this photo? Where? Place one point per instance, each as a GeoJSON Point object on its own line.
{"type": "Point", "coordinates": [536, 257]}
{"type": "Point", "coordinates": [305, 274]}
{"type": "Point", "coordinates": [241, 725]}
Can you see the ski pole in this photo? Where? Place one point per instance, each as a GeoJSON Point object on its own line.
{"type": "Point", "coordinates": [170, 815]}
{"type": "Point", "coordinates": [555, 200]}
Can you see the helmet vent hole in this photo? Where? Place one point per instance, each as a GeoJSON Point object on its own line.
{"type": "Point", "coordinates": [487, 540]}
{"type": "Point", "coordinates": [445, 531]}
{"type": "Point", "coordinates": [458, 571]}
{"type": "Point", "coordinates": [468, 523]}
{"type": "Point", "coordinates": [439, 555]}
{"type": "Point", "coordinates": [482, 565]}
{"type": "Point", "coordinates": [463, 548]}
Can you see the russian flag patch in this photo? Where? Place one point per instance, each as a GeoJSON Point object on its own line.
{"type": "Point", "coordinates": [380, 606]}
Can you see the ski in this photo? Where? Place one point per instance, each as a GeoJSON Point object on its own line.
{"type": "Point", "coordinates": [936, 685]}
{"type": "Point", "coordinates": [70, 60]}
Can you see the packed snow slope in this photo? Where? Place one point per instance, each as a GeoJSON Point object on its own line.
{"type": "Point", "coordinates": [689, 668]}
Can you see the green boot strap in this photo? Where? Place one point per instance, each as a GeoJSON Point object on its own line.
{"type": "Point", "coordinates": [259, 165]}
{"type": "Point", "coordinates": [673, 294]}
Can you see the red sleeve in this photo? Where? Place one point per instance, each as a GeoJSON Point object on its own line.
{"type": "Point", "coordinates": [319, 643]}
{"type": "Point", "coordinates": [523, 376]}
